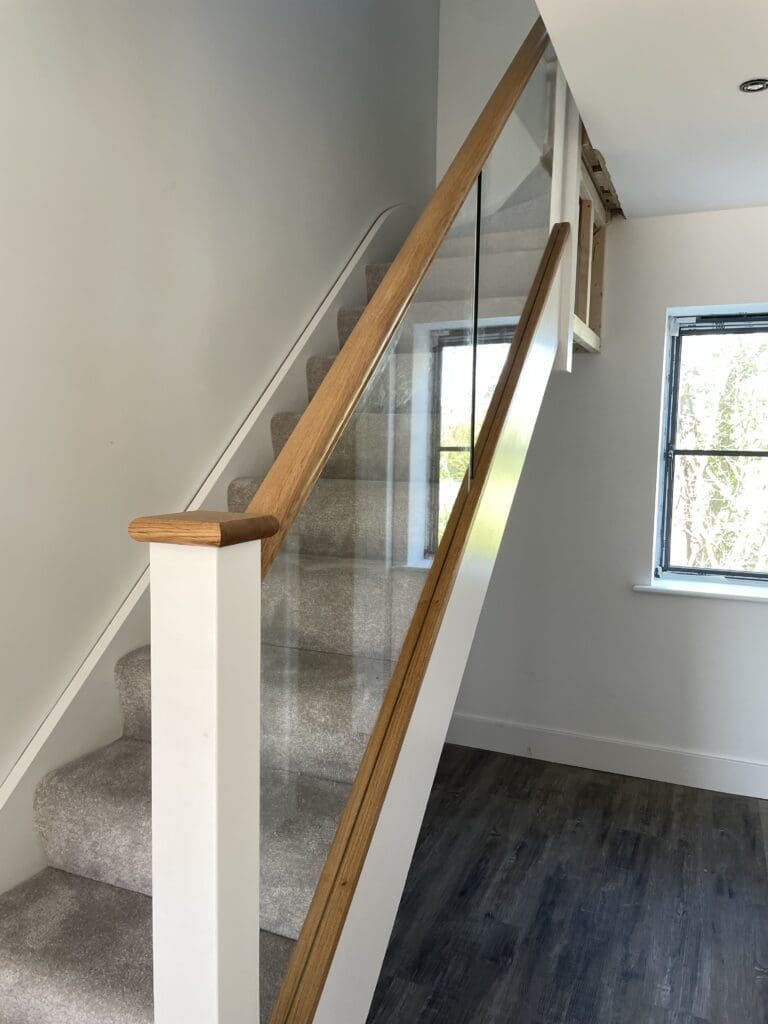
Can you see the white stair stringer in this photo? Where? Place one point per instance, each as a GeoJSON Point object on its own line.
{"type": "Point", "coordinates": [360, 953]}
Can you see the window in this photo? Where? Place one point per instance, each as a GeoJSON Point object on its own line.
{"type": "Point", "coordinates": [452, 410]}
{"type": "Point", "coordinates": [714, 495]}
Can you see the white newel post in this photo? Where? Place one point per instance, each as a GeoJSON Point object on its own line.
{"type": "Point", "coordinates": [206, 619]}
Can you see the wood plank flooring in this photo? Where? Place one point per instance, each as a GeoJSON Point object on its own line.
{"type": "Point", "coordinates": [543, 894]}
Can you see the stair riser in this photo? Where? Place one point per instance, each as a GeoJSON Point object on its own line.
{"type": "Point", "coordinates": [344, 518]}
{"type": "Point", "coordinates": [294, 846]}
{"type": "Point", "coordinates": [318, 710]}
{"type": "Point", "coordinates": [104, 834]}
{"type": "Point", "coordinates": [452, 277]}
{"type": "Point", "coordinates": [533, 213]}
{"type": "Point", "coordinates": [132, 674]}
{"type": "Point", "coordinates": [393, 387]}
{"type": "Point", "coordinates": [374, 275]}
{"type": "Point", "coordinates": [95, 818]}
{"type": "Point", "coordinates": [525, 240]}
{"type": "Point", "coordinates": [365, 451]}
{"type": "Point", "coordinates": [75, 951]}
{"type": "Point", "coordinates": [346, 322]}
{"type": "Point", "coordinates": [336, 611]}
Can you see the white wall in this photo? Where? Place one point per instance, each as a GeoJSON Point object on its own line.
{"type": "Point", "coordinates": [568, 662]}
{"type": "Point", "coordinates": [179, 183]}
{"type": "Point", "coordinates": [478, 39]}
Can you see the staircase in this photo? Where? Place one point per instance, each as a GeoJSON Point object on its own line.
{"type": "Point", "coordinates": [75, 941]}
{"type": "Point", "coordinates": [355, 689]}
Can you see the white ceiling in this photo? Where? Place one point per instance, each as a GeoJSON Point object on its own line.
{"type": "Point", "coordinates": [657, 85]}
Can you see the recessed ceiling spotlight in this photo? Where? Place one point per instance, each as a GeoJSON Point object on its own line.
{"type": "Point", "coordinates": [754, 85]}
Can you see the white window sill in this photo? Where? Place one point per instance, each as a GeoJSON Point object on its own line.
{"type": "Point", "coordinates": [705, 588]}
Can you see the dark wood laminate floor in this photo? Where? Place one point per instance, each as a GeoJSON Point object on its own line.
{"type": "Point", "coordinates": [542, 894]}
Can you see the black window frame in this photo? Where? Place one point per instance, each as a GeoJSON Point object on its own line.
{"type": "Point", "coordinates": [442, 338]}
{"type": "Point", "coordinates": [680, 328]}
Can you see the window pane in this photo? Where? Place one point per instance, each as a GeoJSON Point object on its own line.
{"type": "Point", "coordinates": [720, 513]}
{"type": "Point", "coordinates": [491, 357]}
{"type": "Point", "coordinates": [456, 394]}
{"type": "Point", "coordinates": [723, 397]}
{"type": "Point", "coordinates": [452, 469]}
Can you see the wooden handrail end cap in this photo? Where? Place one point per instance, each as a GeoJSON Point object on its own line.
{"type": "Point", "coordinates": [203, 529]}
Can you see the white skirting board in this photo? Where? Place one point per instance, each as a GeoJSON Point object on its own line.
{"type": "Point", "coordinates": [606, 754]}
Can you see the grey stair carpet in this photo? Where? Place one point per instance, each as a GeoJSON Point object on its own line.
{"type": "Point", "coordinates": [374, 275]}
{"type": "Point", "coordinates": [343, 518]}
{"type": "Point", "coordinates": [515, 240]}
{"type": "Point", "coordinates": [299, 815]}
{"type": "Point", "coordinates": [94, 816]}
{"type": "Point", "coordinates": [105, 835]}
{"type": "Point", "coordinates": [346, 321]}
{"type": "Point", "coordinates": [74, 951]}
{"type": "Point", "coordinates": [390, 391]}
{"type": "Point", "coordinates": [318, 710]}
{"type": "Point", "coordinates": [132, 678]}
{"type": "Point", "coordinates": [533, 213]}
{"type": "Point", "coordinates": [75, 941]}
{"type": "Point", "coordinates": [501, 273]}
{"type": "Point", "coordinates": [339, 605]}
{"type": "Point", "coordinates": [375, 446]}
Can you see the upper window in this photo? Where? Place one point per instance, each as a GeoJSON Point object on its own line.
{"type": "Point", "coordinates": [454, 415]}
{"type": "Point", "coordinates": [714, 498]}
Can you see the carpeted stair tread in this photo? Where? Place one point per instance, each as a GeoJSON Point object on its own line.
{"type": "Point", "coordinates": [393, 386]}
{"type": "Point", "coordinates": [299, 816]}
{"type": "Point", "coordinates": [75, 951]}
{"type": "Point", "coordinates": [452, 312]}
{"type": "Point", "coordinates": [132, 678]}
{"type": "Point", "coordinates": [365, 448]}
{"type": "Point", "coordinates": [318, 710]}
{"type": "Point", "coordinates": [530, 213]}
{"type": "Point", "coordinates": [457, 312]}
{"type": "Point", "coordinates": [94, 816]}
{"type": "Point", "coordinates": [274, 954]}
{"type": "Point", "coordinates": [339, 605]}
{"type": "Point", "coordinates": [450, 277]}
{"type": "Point", "coordinates": [516, 240]}
{"type": "Point", "coordinates": [352, 518]}
{"type": "Point", "coordinates": [101, 828]}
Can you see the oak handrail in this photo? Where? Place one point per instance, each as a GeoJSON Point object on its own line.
{"type": "Point", "coordinates": [313, 954]}
{"type": "Point", "coordinates": [290, 480]}
{"type": "Point", "coordinates": [295, 471]}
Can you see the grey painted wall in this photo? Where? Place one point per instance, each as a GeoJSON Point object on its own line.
{"type": "Point", "coordinates": [180, 182]}
{"type": "Point", "coordinates": [568, 662]}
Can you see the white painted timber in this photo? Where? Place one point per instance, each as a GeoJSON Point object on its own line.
{"type": "Point", "coordinates": [612, 754]}
{"type": "Point", "coordinates": [355, 969]}
{"type": "Point", "coordinates": [566, 179]}
{"type": "Point", "coordinates": [205, 782]}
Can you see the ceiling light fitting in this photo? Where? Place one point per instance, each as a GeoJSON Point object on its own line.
{"type": "Point", "coordinates": [754, 85]}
